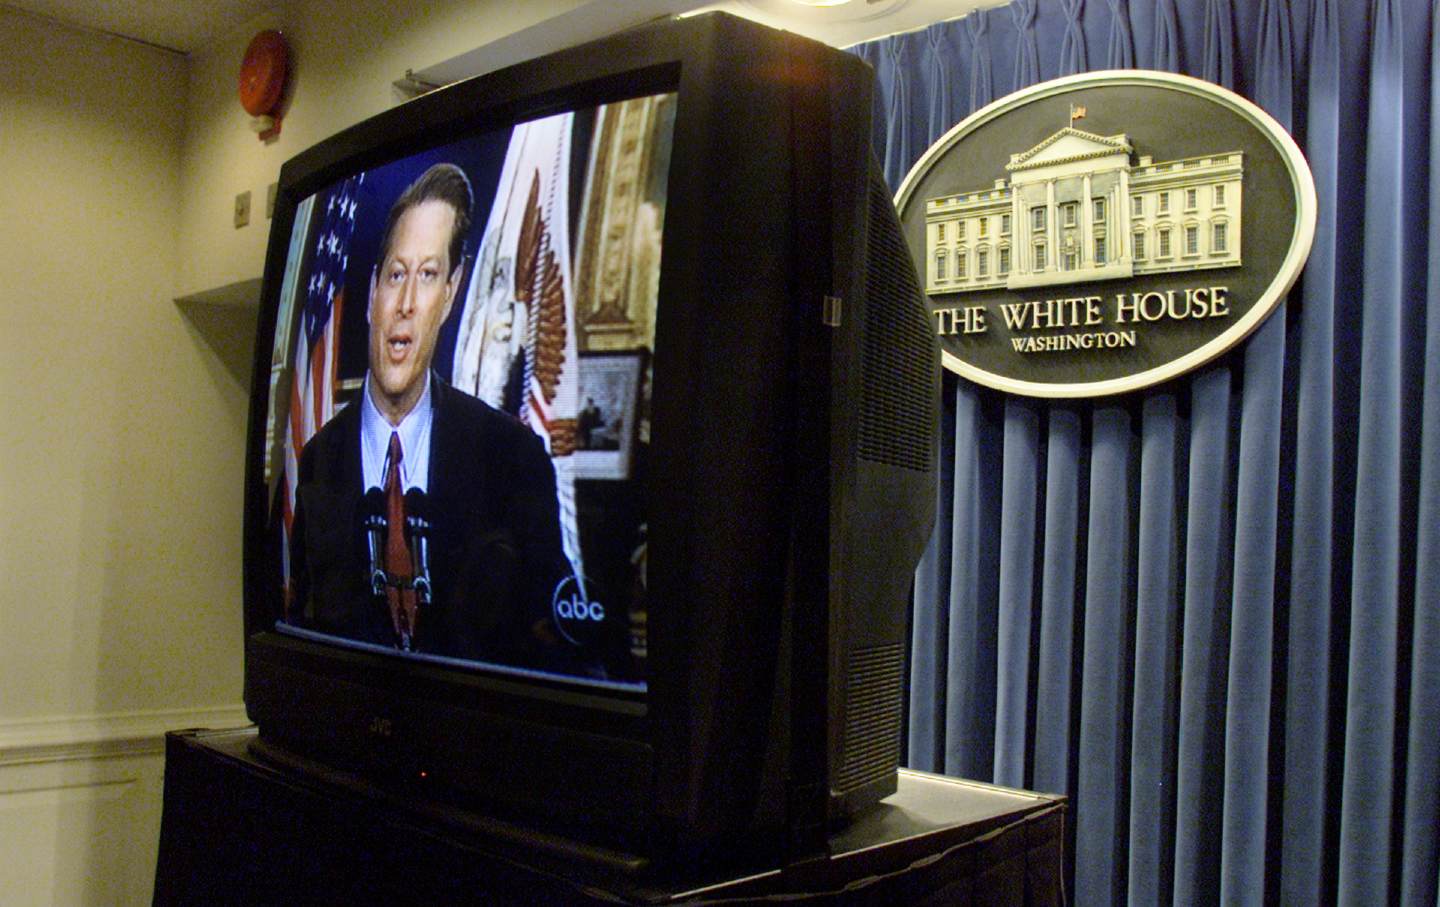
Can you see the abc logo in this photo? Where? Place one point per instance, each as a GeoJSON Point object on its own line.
{"type": "Point", "coordinates": [578, 616]}
{"type": "Point", "coordinates": [574, 608]}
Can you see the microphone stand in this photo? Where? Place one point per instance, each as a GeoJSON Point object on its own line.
{"type": "Point", "coordinates": [417, 539]}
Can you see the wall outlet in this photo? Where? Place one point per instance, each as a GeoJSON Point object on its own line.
{"type": "Point", "coordinates": [242, 209]}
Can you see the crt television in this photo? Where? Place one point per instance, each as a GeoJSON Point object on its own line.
{"type": "Point", "coordinates": [641, 314]}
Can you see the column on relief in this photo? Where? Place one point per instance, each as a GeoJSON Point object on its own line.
{"type": "Point", "coordinates": [1016, 262]}
{"type": "Point", "coordinates": [1204, 216]}
{"type": "Point", "coordinates": [1110, 251]}
{"type": "Point", "coordinates": [1122, 217]}
{"type": "Point", "coordinates": [1087, 227]}
{"type": "Point", "coordinates": [1021, 222]}
{"type": "Point", "coordinates": [1019, 232]}
{"type": "Point", "coordinates": [1116, 237]}
{"type": "Point", "coordinates": [1234, 207]}
{"type": "Point", "coordinates": [1022, 230]}
{"type": "Point", "coordinates": [932, 247]}
{"type": "Point", "coordinates": [1052, 228]}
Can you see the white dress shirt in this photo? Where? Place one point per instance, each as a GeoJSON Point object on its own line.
{"type": "Point", "coordinates": [414, 432]}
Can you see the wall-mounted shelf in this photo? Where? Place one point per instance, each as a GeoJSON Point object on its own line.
{"type": "Point", "coordinates": [225, 318]}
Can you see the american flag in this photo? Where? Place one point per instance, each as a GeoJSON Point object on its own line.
{"type": "Point", "coordinates": [317, 348]}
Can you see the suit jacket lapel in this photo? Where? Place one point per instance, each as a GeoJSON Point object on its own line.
{"type": "Point", "coordinates": [352, 476]}
{"type": "Point", "coordinates": [458, 475]}
{"type": "Point", "coordinates": [351, 479]}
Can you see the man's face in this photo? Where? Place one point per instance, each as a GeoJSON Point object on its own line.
{"type": "Point", "coordinates": [410, 296]}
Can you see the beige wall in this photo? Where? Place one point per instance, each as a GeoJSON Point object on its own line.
{"type": "Point", "coordinates": [119, 481]}
{"type": "Point", "coordinates": [347, 54]}
{"type": "Point", "coordinates": [119, 492]}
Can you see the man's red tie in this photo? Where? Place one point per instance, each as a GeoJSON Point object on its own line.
{"type": "Point", "coordinates": [400, 591]}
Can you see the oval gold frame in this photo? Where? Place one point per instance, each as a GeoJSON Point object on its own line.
{"type": "Point", "coordinates": [1302, 182]}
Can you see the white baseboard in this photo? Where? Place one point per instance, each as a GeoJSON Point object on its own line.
{"type": "Point", "coordinates": [68, 738]}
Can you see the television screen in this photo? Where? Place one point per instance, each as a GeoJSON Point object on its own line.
{"type": "Point", "coordinates": [459, 399]}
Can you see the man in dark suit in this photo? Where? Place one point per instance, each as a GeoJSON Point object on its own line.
{"type": "Point", "coordinates": [425, 519]}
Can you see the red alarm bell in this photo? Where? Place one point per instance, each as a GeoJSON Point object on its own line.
{"type": "Point", "coordinates": [262, 80]}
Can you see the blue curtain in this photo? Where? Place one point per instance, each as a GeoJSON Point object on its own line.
{"type": "Point", "coordinates": [1209, 612]}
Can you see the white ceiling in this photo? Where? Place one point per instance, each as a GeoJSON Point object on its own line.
{"type": "Point", "coordinates": [187, 25]}
{"type": "Point", "coordinates": [179, 26]}
{"type": "Point", "coordinates": [853, 21]}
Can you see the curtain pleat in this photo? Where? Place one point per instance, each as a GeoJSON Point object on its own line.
{"type": "Point", "coordinates": [1027, 56]}
{"type": "Point", "coordinates": [1200, 743]}
{"type": "Point", "coordinates": [1120, 51]}
{"type": "Point", "coordinates": [1072, 46]}
{"type": "Point", "coordinates": [1209, 612]}
{"type": "Point", "coordinates": [1055, 690]}
{"type": "Point", "coordinates": [1017, 580]}
{"type": "Point", "coordinates": [1100, 823]}
{"type": "Point", "coordinates": [1152, 815]}
{"type": "Point", "coordinates": [977, 30]}
{"type": "Point", "coordinates": [970, 688]}
{"type": "Point", "coordinates": [1218, 61]}
{"type": "Point", "coordinates": [898, 153]}
{"type": "Point", "coordinates": [1247, 710]}
{"type": "Point", "coordinates": [1365, 816]}
{"type": "Point", "coordinates": [1200, 778]}
{"type": "Point", "coordinates": [1422, 787]}
{"type": "Point", "coordinates": [1307, 721]}
{"type": "Point", "coordinates": [939, 59]}
{"type": "Point", "coordinates": [897, 146]}
{"type": "Point", "coordinates": [1166, 41]}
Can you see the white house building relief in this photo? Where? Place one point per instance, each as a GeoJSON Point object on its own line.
{"type": "Point", "coordinates": [1076, 209]}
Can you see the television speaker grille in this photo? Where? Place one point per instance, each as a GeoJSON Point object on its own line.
{"type": "Point", "coordinates": [874, 686]}
{"type": "Point", "coordinates": [898, 410]}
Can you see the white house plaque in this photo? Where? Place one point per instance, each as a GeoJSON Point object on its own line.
{"type": "Point", "coordinates": [1105, 232]}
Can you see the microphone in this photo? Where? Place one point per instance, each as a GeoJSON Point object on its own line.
{"type": "Point", "coordinates": [417, 531]}
{"type": "Point", "coordinates": [405, 592]}
{"type": "Point", "coordinates": [372, 505]}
